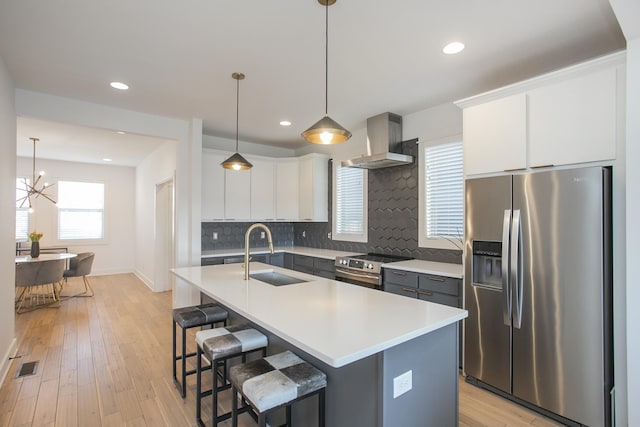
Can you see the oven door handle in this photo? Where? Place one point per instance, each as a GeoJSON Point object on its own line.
{"type": "Point", "coordinates": [349, 274]}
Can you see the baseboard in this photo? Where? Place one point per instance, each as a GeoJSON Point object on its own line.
{"type": "Point", "coordinates": [145, 280]}
{"type": "Point", "coordinates": [6, 361]}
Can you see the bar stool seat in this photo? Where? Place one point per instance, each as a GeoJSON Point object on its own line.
{"type": "Point", "coordinates": [217, 346]}
{"type": "Point", "coordinates": [199, 315]}
{"type": "Point", "coordinates": [276, 381]}
{"type": "Point", "coordinates": [191, 317]}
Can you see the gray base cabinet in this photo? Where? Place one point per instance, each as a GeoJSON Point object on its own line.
{"type": "Point", "coordinates": [275, 259]}
{"type": "Point", "coordinates": [427, 287]}
{"type": "Point", "coordinates": [317, 266]}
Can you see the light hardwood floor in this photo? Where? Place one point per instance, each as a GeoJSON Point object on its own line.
{"type": "Point", "coordinates": [106, 361]}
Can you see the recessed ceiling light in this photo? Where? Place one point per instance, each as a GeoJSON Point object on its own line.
{"type": "Point", "coordinates": [453, 48]}
{"type": "Point", "coordinates": [285, 123]}
{"type": "Point", "coordinates": [119, 85]}
{"type": "Point", "coordinates": [120, 132]}
{"type": "Point", "coordinates": [106, 159]}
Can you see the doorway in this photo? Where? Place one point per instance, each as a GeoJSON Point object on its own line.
{"type": "Point", "coordinates": [164, 236]}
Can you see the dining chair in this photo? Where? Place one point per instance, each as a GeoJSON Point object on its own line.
{"type": "Point", "coordinates": [80, 266]}
{"type": "Point", "coordinates": [36, 282]}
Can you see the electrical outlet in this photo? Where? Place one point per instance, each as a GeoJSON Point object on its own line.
{"type": "Point", "coordinates": [402, 384]}
{"type": "Point", "coordinates": [329, 235]}
{"type": "Point", "coordinates": [214, 236]}
{"type": "Point", "coordinates": [262, 235]}
{"type": "Point", "coordinates": [304, 233]}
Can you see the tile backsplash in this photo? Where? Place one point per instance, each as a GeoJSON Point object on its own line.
{"type": "Point", "coordinates": [231, 235]}
{"type": "Point", "coordinates": [393, 221]}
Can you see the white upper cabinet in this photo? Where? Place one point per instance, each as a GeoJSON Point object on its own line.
{"type": "Point", "coordinates": [237, 195]}
{"type": "Point", "coordinates": [275, 189]}
{"type": "Point", "coordinates": [566, 117]}
{"type": "Point", "coordinates": [573, 121]}
{"type": "Point", "coordinates": [287, 189]}
{"type": "Point", "coordinates": [212, 186]}
{"type": "Point", "coordinates": [495, 135]}
{"type": "Point", "coordinates": [262, 189]}
{"type": "Point", "coordinates": [314, 188]}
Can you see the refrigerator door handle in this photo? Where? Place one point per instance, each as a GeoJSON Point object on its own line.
{"type": "Point", "coordinates": [506, 289]}
{"type": "Point", "coordinates": [516, 268]}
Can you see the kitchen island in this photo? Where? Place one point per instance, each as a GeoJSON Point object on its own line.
{"type": "Point", "coordinates": [372, 345]}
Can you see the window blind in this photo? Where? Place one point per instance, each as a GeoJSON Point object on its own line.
{"type": "Point", "coordinates": [349, 201]}
{"type": "Point", "coordinates": [22, 213]}
{"type": "Point", "coordinates": [80, 210]}
{"type": "Point", "coordinates": [444, 191]}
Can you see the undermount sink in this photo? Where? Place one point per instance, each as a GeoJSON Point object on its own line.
{"type": "Point", "coordinates": [276, 279]}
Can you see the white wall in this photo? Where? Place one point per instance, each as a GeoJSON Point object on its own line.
{"type": "Point", "coordinates": [633, 231]}
{"type": "Point", "coordinates": [628, 411]}
{"type": "Point", "coordinates": [7, 213]}
{"type": "Point", "coordinates": [156, 168]}
{"type": "Point", "coordinates": [115, 253]}
{"type": "Point", "coordinates": [225, 144]}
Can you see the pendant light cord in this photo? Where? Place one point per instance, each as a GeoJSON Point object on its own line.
{"type": "Point", "coordinates": [326, 59]}
{"type": "Point", "coordinates": [237, 110]}
{"type": "Point", "coordinates": [34, 161]}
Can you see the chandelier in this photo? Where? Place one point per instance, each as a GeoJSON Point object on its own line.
{"type": "Point", "coordinates": [34, 189]}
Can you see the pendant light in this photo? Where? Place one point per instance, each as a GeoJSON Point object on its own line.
{"type": "Point", "coordinates": [31, 190]}
{"type": "Point", "coordinates": [236, 162]}
{"type": "Point", "coordinates": [326, 130]}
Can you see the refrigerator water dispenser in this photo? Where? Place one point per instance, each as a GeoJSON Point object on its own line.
{"type": "Point", "coordinates": [487, 264]}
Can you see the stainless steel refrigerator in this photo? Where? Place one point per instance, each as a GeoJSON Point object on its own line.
{"type": "Point", "coordinates": [538, 288]}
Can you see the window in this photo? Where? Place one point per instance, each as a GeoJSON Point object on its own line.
{"type": "Point", "coordinates": [22, 213]}
{"type": "Point", "coordinates": [80, 210]}
{"type": "Point", "coordinates": [350, 205]}
{"type": "Point", "coordinates": [442, 195]}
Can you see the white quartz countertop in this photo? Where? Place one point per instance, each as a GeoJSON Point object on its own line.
{"type": "Point", "coordinates": [427, 267]}
{"type": "Point", "coordinates": [298, 250]}
{"type": "Point", "coordinates": [335, 322]}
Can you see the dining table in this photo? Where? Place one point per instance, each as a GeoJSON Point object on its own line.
{"type": "Point", "coordinates": [44, 257]}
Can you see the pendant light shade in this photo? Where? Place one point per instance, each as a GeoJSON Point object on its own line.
{"type": "Point", "coordinates": [236, 162]}
{"type": "Point", "coordinates": [326, 130]}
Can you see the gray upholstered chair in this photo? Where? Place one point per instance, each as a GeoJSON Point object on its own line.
{"type": "Point", "coordinates": [36, 282]}
{"type": "Point", "coordinates": [80, 266]}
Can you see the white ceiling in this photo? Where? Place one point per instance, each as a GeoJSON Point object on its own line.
{"type": "Point", "coordinates": [61, 141]}
{"type": "Point", "coordinates": [178, 56]}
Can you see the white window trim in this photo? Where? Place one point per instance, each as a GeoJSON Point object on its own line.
{"type": "Point", "coordinates": [360, 238]}
{"type": "Point", "coordinates": [423, 240]}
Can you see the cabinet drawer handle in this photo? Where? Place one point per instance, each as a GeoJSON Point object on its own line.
{"type": "Point", "coordinates": [409, 290]}
{"type": "Point", "coordinates": [427, 293]}
{"type": "Point", "coordinates": [514, 169]}
{"type": "Point", "coordinates": [399, 273]}
{"type": "Point", "coordinates": [543, 166]}
{"type": "Point", "coordinates": [436, 278]}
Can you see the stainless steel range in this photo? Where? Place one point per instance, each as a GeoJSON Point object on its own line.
{"type": "Point", "coordinates": [364, 270]}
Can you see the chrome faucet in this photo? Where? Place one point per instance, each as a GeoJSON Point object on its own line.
{"type": "Point", "coordinates": [246, 245]}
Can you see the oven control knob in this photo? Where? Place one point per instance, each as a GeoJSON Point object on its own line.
{"type": "Point", "coordinates": [370, 266]}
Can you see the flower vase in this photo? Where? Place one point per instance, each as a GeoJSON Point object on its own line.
{"type": "Point", "coordinates": [35, 249]}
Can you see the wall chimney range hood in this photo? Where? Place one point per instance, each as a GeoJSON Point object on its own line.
{"type": "Point", "coordinates": [384, 144]}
